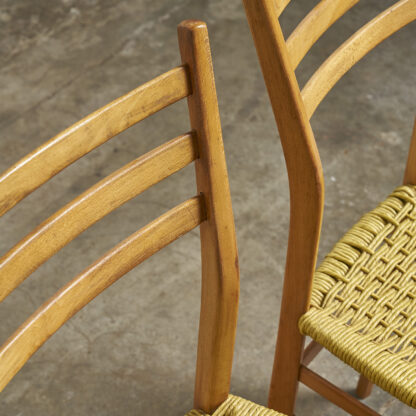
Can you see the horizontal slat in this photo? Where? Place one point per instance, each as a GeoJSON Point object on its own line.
{"type": "Point", "coordinates": [332, 393]}
{"type": "Point", "coordinates": [90, 132]}
{"type": "Point", "coordinates": [314, 25]}
{"type": "Point", "coordinates": [352, 50]}
{"type": "Point", "coordinates": [91, 206]}
{"type": "Point", "coordinates": [76, 294]}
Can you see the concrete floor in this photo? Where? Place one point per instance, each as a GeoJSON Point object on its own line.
{"type": "Point", "coordinates": [132, 350]}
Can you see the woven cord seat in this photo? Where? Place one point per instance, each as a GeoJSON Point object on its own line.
{"type": "Point", "coordinates": [236, 406]}
{"type": "Point", "coordinates": [363, 306]}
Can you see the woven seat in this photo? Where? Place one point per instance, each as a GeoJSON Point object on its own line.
{"type": "Point", "coordinates": [363, 306]}
{"type": "Point", "coordinates": [236, 406]}
{"type": "Point", "coordinates": [362, 295]}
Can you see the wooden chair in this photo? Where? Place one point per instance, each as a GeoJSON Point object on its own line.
{"type": "Point", "coordinates": [211, 209]}
{"type": "Point", "coordinates": [360, 304]}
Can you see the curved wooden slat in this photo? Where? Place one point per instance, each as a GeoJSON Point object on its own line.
{"type": "Point", "coordinates": [281, 5]}
{"type": "Point", "coordinates": [314, 25]}
{"type": "Point", "coordinates": [90, 132]}
{"type": "Point", "coordinates": [32, 334]}
{"type": "Point", "coordinates": [91, 206]}
{"type": "Point", "coordinates": [352, 50]}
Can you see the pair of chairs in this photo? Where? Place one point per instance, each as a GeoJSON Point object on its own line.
{"type": "Point", "coordinates": [360, 303]}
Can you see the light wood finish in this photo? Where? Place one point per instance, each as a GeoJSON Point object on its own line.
{"type": "Point", "coordinates": [313, 26]}
{"type": "Point", "coordinates": [88, 208]}
{"type": "Point", "coordinates": [410, 172]}
{"type": "Point", "coordinates": [90, 132]}
{"type": "Point", "coordinates": [306, 196]}
{"type": "Point", "coordinates": [211, 208]}
{"type": "Point", "coordinates": [311, 351]}
{"type": "Point", "coordinates": [281, 5]}
{"type": "Point", "coordinates": [355, 48]}
{"type": "Point", "coordinates": [220, 274]}
{"type": "Point", "coordinates": [33, 333]}
{"type": "Point", "coordinates": [364, 387]}
{"type": "Point", "coordinates": [292, 111]}
{"type": "Point", "coordinates": [333, 393]}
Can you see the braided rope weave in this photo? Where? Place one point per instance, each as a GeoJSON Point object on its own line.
{"type": "Point", "coordinates": [236, 406]}
{"type": "Point", "coordinates": [363, 302]}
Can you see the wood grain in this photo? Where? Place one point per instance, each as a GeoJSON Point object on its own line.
{"type": "Point", "coordinates": [355, 48]}
{"type": "Point", "coordinates": [310, 352]}
{"type": "Point", "coordinates": [410, 171]}
{"type": "Point", "coordinates": [212, 208]}
{"type": "Point", "coordinates": [364, 387]}
{"type": "Point", "coordinates": [90, 132]}
{"type": "Point", "coordinates": [332, 393]}
{"type": "Point", "coordinates": [306, 197]}
{"type": "Point", "coordinates": [313, 26]}
{"type": "Point", "coordinates": [220, 272]}
{"type": "Point", "coordinates": [281, 6]}
{"type": "Point", "coordinates": [33, 333]}
{"type": "Point", "coordinates": [292, 111]}
{"type": "Point", "coordinates": [95, 203]}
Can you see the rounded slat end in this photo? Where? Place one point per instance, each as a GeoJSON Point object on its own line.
{"type": "Point", "coordinates": [192, 25]}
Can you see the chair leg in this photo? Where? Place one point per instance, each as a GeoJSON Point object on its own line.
{"type": "Point", "coordinates": [285, 376]}
{"type": "Point", "coordinates": [364, 387]}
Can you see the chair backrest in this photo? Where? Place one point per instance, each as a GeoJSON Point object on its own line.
{"type": "Point", "coordinates": [211, 209]}
{"type": "Point", "coordinates": [292, 110]}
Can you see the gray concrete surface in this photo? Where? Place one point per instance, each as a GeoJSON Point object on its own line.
{"type": "Point", "coordinates": [132, 350]}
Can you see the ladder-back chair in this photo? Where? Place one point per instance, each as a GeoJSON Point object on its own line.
{"type": "Point", "coordinates": [361, 302]}
{"type": "Point", "coordinates": [210, 209]}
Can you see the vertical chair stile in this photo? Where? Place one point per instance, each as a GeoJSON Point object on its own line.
{"type": "Point", "coordinates": [219, 299]}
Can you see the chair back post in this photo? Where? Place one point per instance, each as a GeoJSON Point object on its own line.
{"type": "Point", "coordinates": [211, 208]}
{"type": "Point", "coordinates": [306, 195]}
{"type": "Point", "coordinates": [220, 273]}
{"type": "Point", "coordinates": [410, 171]}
